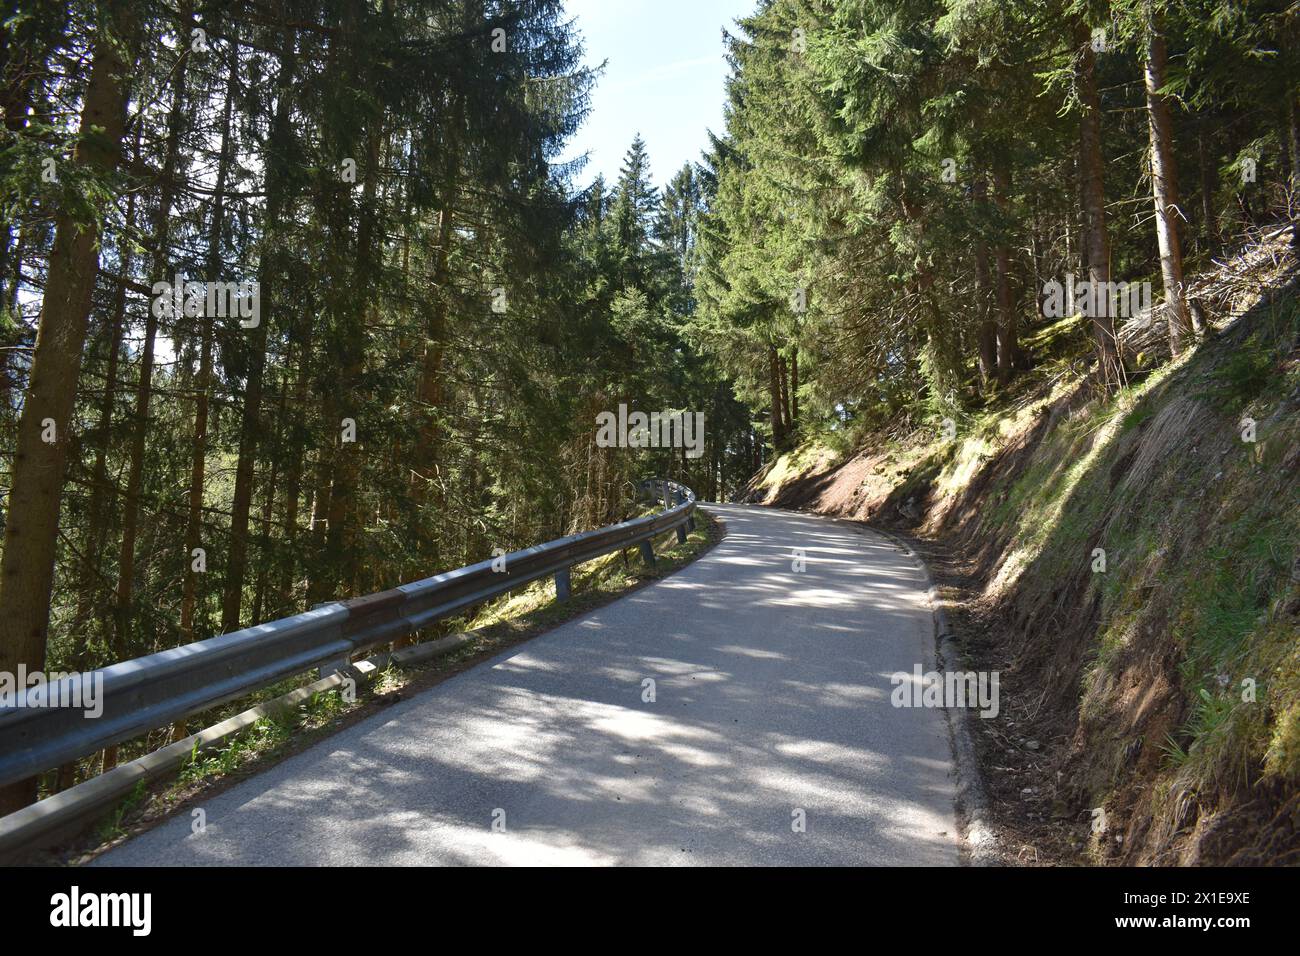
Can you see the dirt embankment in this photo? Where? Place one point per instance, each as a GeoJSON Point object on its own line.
{"type": "Point", "coordinates": [1131, 565]}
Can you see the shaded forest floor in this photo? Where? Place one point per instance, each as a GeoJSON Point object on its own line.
{"type": "Point", "coordinates": [1150, 693]}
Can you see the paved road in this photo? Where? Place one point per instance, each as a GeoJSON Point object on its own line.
{"type": "Point", "coordinates": [772, 696]}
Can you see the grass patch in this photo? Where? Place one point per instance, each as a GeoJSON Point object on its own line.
{"type": "Point", "coordinates": [807, 459]}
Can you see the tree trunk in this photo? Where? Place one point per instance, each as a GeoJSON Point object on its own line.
{"type": "Point", "coordinates": [1209, 222]}
{"type": "Point", "coordinates": [161, 234]}
{"type": "Point", "coordinates": [203, 384]}
{"type": "Point", "coordinates": [429, 389]}
{"type": "Point", "coordinates": [270, 274]}
{"type": "Point", "coordinates": [32, 527]}
{"type": "Point", "coordinates": [1008, 337]}
{"type": "Point", "coordinates": [711, 489]}
{"type": "Point", "coordinates": [1164, 186]}
{"type": "Point", "coordinates": [1037, 242]}
{"type": "Point", "coordinates": [794, 386]}
{"type": "Point", "coordinates": [1096, 243]}
{"type": "Point", "coordinates": [293, 475]}
{"type": "Point", "coordinates": [774, 398]}
{"type": "Point", "coordinates": [97, 512]}
{"type": "Point", "coordinates": [268, 514]}
{"type": "Point", "coordinates": [338, 561]}
{"type": "Point", "coordinates": [320, 584]}
{"type": "Point", "coordinates": [987, 339]}
{"type": "Point", "coordinates": [988, 326]}
{"type": "Point", "coordinates": [786, 417]}
{"type": "Point", "coordinates": [242, 498]}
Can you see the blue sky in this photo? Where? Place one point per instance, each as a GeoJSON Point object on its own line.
{"type": "Point", "coordinates": [664, 79]}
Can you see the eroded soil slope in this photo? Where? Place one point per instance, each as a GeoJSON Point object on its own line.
{"type": "Point", "coordinates": [1131, 564]}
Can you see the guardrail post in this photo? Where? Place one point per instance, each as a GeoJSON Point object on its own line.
{"type": "Point", "coordinates": [332, 667]}
{"type": "Point", "coordinates": [681, 534]}
{"type": "Point", "coordinates": [562, 584]}
{"type": "Point", "coordinates": [647, 552]}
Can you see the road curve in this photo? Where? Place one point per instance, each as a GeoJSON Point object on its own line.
{"type": "Point", "coordinates": [771, 709]}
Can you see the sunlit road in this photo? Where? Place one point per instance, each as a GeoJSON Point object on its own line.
{"type": "Point", "coordinates": [769, 737]}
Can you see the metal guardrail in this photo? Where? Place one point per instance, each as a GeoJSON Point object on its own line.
{"type": "Point", "coordinates": [157, 690]}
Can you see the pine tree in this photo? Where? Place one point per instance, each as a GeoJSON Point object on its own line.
{"type": "Point", "coordinates": [40, 456]}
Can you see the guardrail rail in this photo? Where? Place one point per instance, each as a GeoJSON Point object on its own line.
{"type": "Point", "coordinates": [159, 689]}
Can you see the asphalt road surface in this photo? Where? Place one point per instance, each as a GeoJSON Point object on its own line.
{"type": "Point", "coordinates": [770, 739]}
